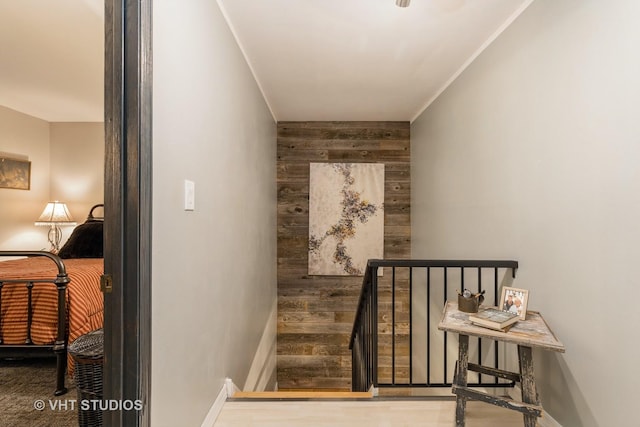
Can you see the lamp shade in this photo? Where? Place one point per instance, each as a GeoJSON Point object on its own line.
{"type": "Point", "coordinates": [402, 3]}
{"type": "Point", "coordinates": [55, 213]}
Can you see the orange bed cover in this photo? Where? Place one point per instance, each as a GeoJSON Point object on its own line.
{"type": "Point", "coordinates": [85, 305]}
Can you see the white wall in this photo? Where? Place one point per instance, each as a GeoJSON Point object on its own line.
{"type": "Point", "coordinates": [24, 137]}
{"type": "Point", "coordinates": [67, 164]}
{"type": "Point", "coordinates": [77, 166]}
{"type": "Point", "coordinates": [533, 154]}
{"type": "Point", "coordinates": [214, 269]}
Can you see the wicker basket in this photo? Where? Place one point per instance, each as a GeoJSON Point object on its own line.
{"type": "Point", "coordinates": [88, 355]}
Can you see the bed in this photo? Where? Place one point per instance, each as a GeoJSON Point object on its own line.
{"type": "Point", "coordinates": [47, 300]}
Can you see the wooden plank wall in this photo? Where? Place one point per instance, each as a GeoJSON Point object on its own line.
{"type": "Point", "coordinates": [315, 313]}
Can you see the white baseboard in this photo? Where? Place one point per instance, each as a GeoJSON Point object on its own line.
{"type": "Point", "coordinates": [263, 368]}
{"type": "Point", "coordinates": [230, 387]}
{"type": "Point", "coordinates": [545, 420]}
{"type": "Point", "coordinates": [228, 390]}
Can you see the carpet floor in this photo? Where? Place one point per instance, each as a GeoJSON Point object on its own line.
{"type": "Point", "coordinates": [29, 383]}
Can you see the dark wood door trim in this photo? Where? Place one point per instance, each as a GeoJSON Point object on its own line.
{"type": "Point", "coordinates": [128, 178]}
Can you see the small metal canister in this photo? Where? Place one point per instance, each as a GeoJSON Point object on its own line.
{"type": "Point", "coordinates": [470, 304]}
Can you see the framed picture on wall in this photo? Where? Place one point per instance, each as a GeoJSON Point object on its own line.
{"type": "Point", "coordinates": [515, 301]}
{"type": "Point", "coordinates": [346, 217]}
{"type": "Point", "coordinates": [15, 173]}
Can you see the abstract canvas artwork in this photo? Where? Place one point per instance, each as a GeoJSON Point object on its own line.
{"type": "Point", "coordinates": [346, 217]}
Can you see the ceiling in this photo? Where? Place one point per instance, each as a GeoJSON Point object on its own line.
{"type": "Point", "coordinates": [313, 59]}
{"type": "Point", "coordinates": [51, 58]}
{"type": "Point", "coordinates": [361, 59]}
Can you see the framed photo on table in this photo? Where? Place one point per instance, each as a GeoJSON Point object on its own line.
{"type": "Point", "coordinates": [515, 300]}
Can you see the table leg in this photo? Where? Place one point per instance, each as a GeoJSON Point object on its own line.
{"type": "Point", "coordinates": [461, 377]}
{"type": "Point", "coordinates": [528, 383]}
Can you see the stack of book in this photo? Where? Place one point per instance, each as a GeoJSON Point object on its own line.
{"type": "Point", "coordinates": [494, 318]}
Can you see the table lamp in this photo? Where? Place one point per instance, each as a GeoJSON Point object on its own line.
{"type": "Point", "coordinates": [54, 215]}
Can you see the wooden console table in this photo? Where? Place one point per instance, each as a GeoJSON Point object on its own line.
{"type": "Point", "coordinates": [526, 334]}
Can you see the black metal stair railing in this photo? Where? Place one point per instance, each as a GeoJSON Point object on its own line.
{"type": "Point", "coordinates": [395, 341]}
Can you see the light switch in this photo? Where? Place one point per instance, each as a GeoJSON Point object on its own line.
{"type": "Point", "coordinates": [189, 195]}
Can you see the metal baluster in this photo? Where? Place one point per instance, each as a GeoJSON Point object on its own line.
{"type": "Point", "coordinates": [445, 334]}
{"type": "Point", "coordinates": [428, 325]}
{"type": "Point", "coordinates": [495, 299]}
{"type": "Point", "coordinates": [29, 312]}
{"type": "Point", "coordinates": [479, 339]}
{"type": "Point", "coordinates": [370, 334]}
{"type": "Point", "coordinates": [374, 317]}
{"type": "Point", "coordinates": [393, 325]}
{"type": "Point", "coordinates": [410, 325]}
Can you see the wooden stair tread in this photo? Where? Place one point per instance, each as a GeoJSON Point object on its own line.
{"type": "Point", "coordinates": [301, 395]}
